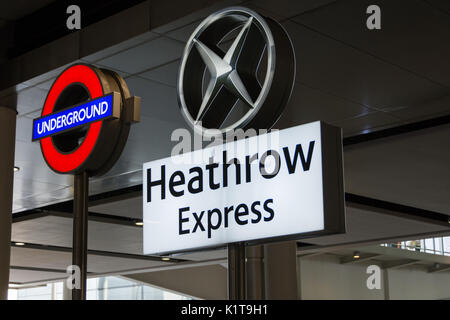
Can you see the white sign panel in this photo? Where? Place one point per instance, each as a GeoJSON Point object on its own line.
{"type": "Point", "coordinates": [265, 187]}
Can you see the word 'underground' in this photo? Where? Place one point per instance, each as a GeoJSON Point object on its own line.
{"type": "Point", "coordinates": [73, 117]}
{"type": "Point", "coordinates": [179, 183]}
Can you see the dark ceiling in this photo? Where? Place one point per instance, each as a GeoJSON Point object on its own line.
{"type": "Point", "coordinates": [46, 19]}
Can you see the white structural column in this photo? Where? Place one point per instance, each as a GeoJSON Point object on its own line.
{"type": "Point", "coordinates": [280, 271]}
{"type": "Point", "coordinates": [66, 293]}
{"type": "Point", "coordinates": [7, 147]}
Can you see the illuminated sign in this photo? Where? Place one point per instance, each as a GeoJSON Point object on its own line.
{"type": "Point", "coordinates": [98, 109]}
{"type": "Point", "coordinates": [83, 128]}
{"type": "Point", "coordinates": [90, 135]}
{"type": "Point", "coordinates": [279, 185]}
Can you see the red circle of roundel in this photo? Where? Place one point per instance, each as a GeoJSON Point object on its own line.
{"type": "Point", "coordinates": [67, 162]}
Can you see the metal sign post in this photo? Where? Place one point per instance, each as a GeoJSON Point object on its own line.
{"type": "Point", "coordinates": [80, 231]}
{"type": "Point", "coordinates": [82, 130]}
{"type": "Point", "coordinates": [236, 271]}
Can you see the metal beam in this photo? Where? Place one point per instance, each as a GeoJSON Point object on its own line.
{"type": "Point", "coordinates": [92, 216]}
{"type": "Point", "coordinates": [371, 242]}
{"type": "Point", "coordinates": [318, 253]}
{"type": "Point", "coordinates": [438, 268]}
{"type": "Point", "coordinates": [399, 264]}
{"type": "Point", "coordinates": [352, 200]}
{"type": "Point", "coordinates": [351, 259]}
{"type": "Point", "coordinates": [99, 217]}
{"type": "Point", "coordinates": [398, 130]}
{"type": "Point", "coordinates": [39, 269]}
{"type": "Point", "coordinates": [397, 210]}
{"type": "Point", "coordinates": [97, 252]}
{"type": "Point", "coordinates": [173, 266]}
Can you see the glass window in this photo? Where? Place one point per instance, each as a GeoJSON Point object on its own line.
{"type": "Point", "coordinates": [105, 288]}
{"type": "Point", "coordinates": [429, 245]}
{"type": "Point", "coordinates": [446, 241]}
{"type": "Point", "coordinates": [438, 245]}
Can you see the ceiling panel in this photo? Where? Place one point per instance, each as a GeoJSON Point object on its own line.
{"type": "Point", "coordinates": [288, 8]}
{"type": "Point", "coordinates": [411, 169]}
{"type": "Point", "coordinates": [308, 104]}
{"type": "Point", "coordinates": [38, 258]}
{"type": "Point", "coordinates": [411, 33]}
{"type": "Point", "coordinates": [26, 276]}
{"type": "Point", "coordinates": [24, 128]}
{"type": "Point", "coordinates": [166, 74]}
{"type": "Point", "coordinates": [110, 51]}
{"type": "Point", "coordinates": [19, 8]}
{"type": "Point", "coordinates": [33, 114]}
{"type": "Point", "coordinates": [336, 68]}
{"type": "Point", "coordinates": [35, 258]}
{"type": "Point", "coordinates": [363, 225]}
{"type": "Point", "coordinates": [442, 5]}
{"type": "Point", "coordinates": [145, 56]}
{"type": "Point", "coordinates": [131, 208]}
{"type": "Point", "coordinates": [26, 188]}
{"type": "Point", "coordinates": [194, 16]}
{"type": "Point", "coordinates": [109, 183]}
{"type": "Point", "coordinates": [157, 100]}
{"type": "Point", "coordinates": [33, 167]}
{"type": "Point", "coordinates": [182, 34]}
{"type": "Point", "coordinates": [426, 110]}
{"type": "Point", "coordinates": [152, 140]}
{"type": "Point", "coordinates": [57, 231]}
{"type": "Point", "coordinates": [367, 123]}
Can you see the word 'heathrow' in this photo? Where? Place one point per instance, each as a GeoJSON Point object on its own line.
{"type": "Point", "coordinates": [242, 174]}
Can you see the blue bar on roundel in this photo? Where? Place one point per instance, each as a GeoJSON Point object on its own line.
{"type": "Point", "coordinates": [73, 117]}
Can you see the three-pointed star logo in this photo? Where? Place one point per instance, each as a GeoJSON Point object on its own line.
{"type": "Point", "coordinates": [223, 71]}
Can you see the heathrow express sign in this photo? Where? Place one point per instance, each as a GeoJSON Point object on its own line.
{"type": "Point", "coordinates": [237, 72]}
{"type": "Point", "coordinates": [246, 190]}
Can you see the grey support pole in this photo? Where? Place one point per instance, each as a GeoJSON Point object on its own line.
{"type": "Point", "coordinates": [7, 147]}
{"type": "Point", "coordinates": [80, 231]}
{"type": "Point", "coordinates": [236, 271]}
{"type": "Point", "coordinates": [255, 272]}
{"type": "Point", "coordinates": [280, 270]}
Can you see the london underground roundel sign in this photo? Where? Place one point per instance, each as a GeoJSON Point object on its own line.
{"type": "Point", "coordinates": [85, 120]}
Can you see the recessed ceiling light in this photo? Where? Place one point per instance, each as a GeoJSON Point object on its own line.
{"type": "Point", "coordinates": [165, 259]}
{"type": "Point", "coordinates": [139, 223]}
{"type": "Point", "coordinates": [16, 169]}
{"type": "Point", "coordinates": [19, 243]}
{"type": "Point", "coordinates": [356, 255]}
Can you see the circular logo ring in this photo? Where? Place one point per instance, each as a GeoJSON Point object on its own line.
{"type": "Point", "coordinates": [248, 65]}
{"type": "Point", "coordinates": [63, 162]}
{"type": "Point", "coordinates": [92, 145]}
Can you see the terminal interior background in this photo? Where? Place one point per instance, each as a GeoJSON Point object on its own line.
{"type": "Point", "coordinates": [389, 90]}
